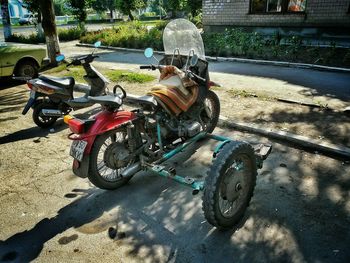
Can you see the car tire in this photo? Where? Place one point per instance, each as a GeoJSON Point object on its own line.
{"type": "Point", "coordinates": [27, 68]}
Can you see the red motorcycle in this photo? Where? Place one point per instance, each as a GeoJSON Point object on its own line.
{"type": "Point", "coordinates": [115, 144]}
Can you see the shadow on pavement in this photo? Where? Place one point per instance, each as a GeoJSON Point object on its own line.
{"type": "Point", "coordinates": [8, 82]}
{"type": "Point", "coordinates": [286, 222]}
{"type": "Point", "coordinates": [332, 126]}
{"type": "Point", "coordinates": [35, 132]}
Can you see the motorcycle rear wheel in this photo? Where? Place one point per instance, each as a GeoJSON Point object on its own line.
{"type": "Point", "coordinates": [100, 174]}
{"type": "Point", "coordinates": [38, 117]}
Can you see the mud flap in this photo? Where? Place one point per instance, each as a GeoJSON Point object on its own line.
{"type": "Point", "coordinates": [29, 104]}
{"type": "Point", "coordinates": [261, 151]}
{"type": "Point", "coordinates": [81, 169]}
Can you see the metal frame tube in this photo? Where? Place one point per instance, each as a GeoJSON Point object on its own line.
{"type": "Point", "coordinates": [196, 185]}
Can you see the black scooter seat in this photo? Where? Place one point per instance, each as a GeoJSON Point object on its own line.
{"type": "Point", "coordinates": [106, 100]}
{"type": "Point", "coordinates": [64, 82]}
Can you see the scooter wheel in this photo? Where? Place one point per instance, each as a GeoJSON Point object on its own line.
{"type": "Point", "coordinates": [229, 185]}
{"type": "Point", "coordinates": [38, 117]}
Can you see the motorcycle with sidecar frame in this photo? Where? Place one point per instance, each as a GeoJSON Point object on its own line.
{"type": "Point", "coordinates": [110, 147]}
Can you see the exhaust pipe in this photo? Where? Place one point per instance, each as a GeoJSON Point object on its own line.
{"type": "Point", "coordinates": [52, 113]}
{"type": "Point", "coordinates": [131, 170]}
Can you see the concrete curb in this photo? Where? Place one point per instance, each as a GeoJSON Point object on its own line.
{"type": "Point", "coordinates": [119, 48]}
{"type": "Point", "coordinates": [280, 63]}
{"type": "Point", "coordinates": [300, 141]}
{"type": "Point", "coordinates": [241, 60]}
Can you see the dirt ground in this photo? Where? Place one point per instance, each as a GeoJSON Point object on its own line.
{"type": "Point", "coordinates": [300, 211]}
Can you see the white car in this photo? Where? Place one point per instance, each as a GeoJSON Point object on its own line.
{"type": "Point", "coordinates": [27, 19]}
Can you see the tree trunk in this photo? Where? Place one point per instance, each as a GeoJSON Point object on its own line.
{"type": "Point", "coordinates": [49, 26]}
{"type": "Point", "coordinates": [6, 21]}
{"type": "Point", "coordinates": [130, 15]}
{"type": "Point", "coordinates": [39, 26]}
{"type": "Point", "coordinates": [112, 15]}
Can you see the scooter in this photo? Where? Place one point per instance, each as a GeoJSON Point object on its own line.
{"type": "Point", "coordinates": [112, 146]}
{"type": "Point", "coordinates": [52, 97]}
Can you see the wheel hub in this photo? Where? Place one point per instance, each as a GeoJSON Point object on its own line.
{"type": "Point", "coordinates": [116, 156]}
{"type": "Point", "coordinates": [232, 185]}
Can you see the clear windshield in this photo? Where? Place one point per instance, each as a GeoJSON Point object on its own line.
{"type": "Point", "coordinates": [183, 35]}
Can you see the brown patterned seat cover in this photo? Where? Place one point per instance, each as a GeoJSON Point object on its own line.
{"type": "Point", "coordinates": [175, 92]}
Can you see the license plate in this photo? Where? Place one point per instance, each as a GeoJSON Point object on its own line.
{"type": "Point", "coordinates": [32, 94]}
{"type": "Point", "coordinates": [77, 149]}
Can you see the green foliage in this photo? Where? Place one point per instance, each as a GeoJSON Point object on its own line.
{"type": "Point", "coordinates": [197, 20]}
{"type": "Point", "coordinates": [127, 7]}
{"type": "Point", "coordinates": [131, 35]}
{"type": "Point", "coordinates": [69, 34]}
{"type": "Point", "coordinates": [31, 5]}
{"type": "Point", "coordinates": [346, 58]}
{"type": "Point", "coordinates": [148, 14]}
{"type": "Point", "coordinates": [61, 8]}
{"type": "Point", "coordinates": [174, 5]}
{"type": "Point", "coordinates": [103, 5]}
{"type": "Point", "coordinates": [293, 46]}
{"type": "Point", "coordinates": [233, 42]}
{"type": "Point", "coordinates": [27, 39]}
{"type": "Point", "coordinates": [195, 7]}
{"type": "Point", "coordinates": [78, 8]}
{"type": "Point", "coordinates": [157, 7]}
{"type": "Point", "coordinates": [64, 34]}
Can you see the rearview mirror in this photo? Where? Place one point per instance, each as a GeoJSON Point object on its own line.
{"type": "Point", "coordinates": [148, 52]}
{"type": "Point", "coordinates": [97, 44]}
{"type": "Point", "coordinates": [60, 58]}
{"type": "Point", "coordinates": [194, 60]}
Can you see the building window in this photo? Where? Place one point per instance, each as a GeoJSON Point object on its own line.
{"type": "Point", "coordinates": [296, 5]}
{"type": "Point", "coordinates": [277, 6]}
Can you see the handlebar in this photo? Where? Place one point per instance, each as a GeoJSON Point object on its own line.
{"type": "Point", "coordinates": [195, 75]}
{"type": "Point", "coordinates": [152, 67]}
{"type": "Point", "coordinates": [188, 72]}
{"type": "Point", "coordinates": [78, 61]}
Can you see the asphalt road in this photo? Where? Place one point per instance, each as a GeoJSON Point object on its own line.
{"type": "Point", "coordinates": [305, 85]}
{"type": "Point", "coordinates": [31, 29]}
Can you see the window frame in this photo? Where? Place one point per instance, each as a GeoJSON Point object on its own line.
{"type": "Point", "coordinates": [284, 9]}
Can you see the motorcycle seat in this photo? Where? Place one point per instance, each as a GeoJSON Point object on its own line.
{"type": "Point", "coordinates": [106, 100]}
{"type": "Point", "coordinates": [63, 82]}
{"type": "Point", "coordinates": [140, 100]}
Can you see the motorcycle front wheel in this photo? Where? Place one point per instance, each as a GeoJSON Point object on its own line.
{"type": "Point", "coordinates": [108, 159]}
{"type": "Point", "coordinates": [211, 112]}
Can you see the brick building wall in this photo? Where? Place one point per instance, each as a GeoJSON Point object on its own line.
{"type": "Point", "coordinates": [319, 13]}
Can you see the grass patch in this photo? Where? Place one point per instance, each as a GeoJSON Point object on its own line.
{"type": "Point", "coordinates": [122, 75]}
{"type": "Point", "coordinates": [77, 72]}
{"type": "Point", "coordinates": [245, 94]}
